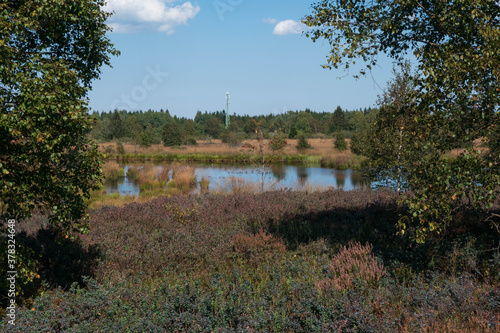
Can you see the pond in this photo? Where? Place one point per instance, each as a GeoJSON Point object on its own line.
{"type": "Point", "coordinates": [276, 177]}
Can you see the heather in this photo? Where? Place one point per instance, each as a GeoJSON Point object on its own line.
{"type": "Point", "coordinates": [275, 261]}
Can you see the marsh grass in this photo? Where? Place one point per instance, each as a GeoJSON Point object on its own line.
{"type": "Point", "coordinates": [321, 152]}
{"type": "Point", "coordinates": [112, 170]}
{"type": "Point", "coordinates": [233, 185]}
{"type": "Point", "coordinates": [184, 177]}
{"type": "Point", "coordinates": [204, 185]}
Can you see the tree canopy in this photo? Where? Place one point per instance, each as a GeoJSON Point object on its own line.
{"type": "Point", "coordinates": [456, 92]}
{"type": "Point", "coordinates": [50, 53]}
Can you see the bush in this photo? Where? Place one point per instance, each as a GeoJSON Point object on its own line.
{"type": "Point", "coordinates": [303, 143]}
{"type": "Point", "coordinates": [190, 141]}
{"type": "Point", "coordinates": [339, 141]}
{"type": "Point", "coordinates": [172, 134]}
{"type": "Point", "coordinates": [231, 139]}
{"type": "Point", "coordinates": [278, 142]}
{"type": "Point", "coordinates": [354, 266]}
{"type": "Point", "coordinates": [146, 139]}
{"type": "Point", "coordinates": [120, 150]}
{"type": "Point", "coordinates": [109, 150]}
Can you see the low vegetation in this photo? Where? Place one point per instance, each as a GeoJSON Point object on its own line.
{"type": "Point", "coordinates": [320, 152]}
{"type": "Point", "coordinates": [274, 261]}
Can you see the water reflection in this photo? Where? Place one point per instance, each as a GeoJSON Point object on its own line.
{"type": "Point", "coordinates": [302, 175]}
{"type": "Point", "coordinates": [279, 171]}
{"type": "Point", "coordinates": [122, 185]}
{"type": "Point", "coordinates": [340, 178]}
{"type": "Point", "coordinates": [268, 178]}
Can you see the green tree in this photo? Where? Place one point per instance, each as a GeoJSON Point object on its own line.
{"type": "Point", "coordinates": [189, 129]}
{"type": "Point", "coordinates": [338, 122]}
{"type": "Point", "coordinates": [172, 134]}
{"type": "Point", "coordinates": [213, 127]}
{"type": "Point", "coordinates": [133, 127]}
{"type": "Point", "coordinates": [339, 141]}
{"type": "Point", "coordinates": [358, 122]}
{"type": "Point", "coordinates": [456, 95]}
{"type": "Point", "coordinates": [146, 138]}
{"type": "Point", "coordinates": [120, 150]}
{"type": "Point", "coordinates": [50, 53]}
{"type": "Point", "coordinates": [116, 126]}
{"type": "Point", "coordinates": [302, 122]}
{"type": "Point", "coordinates": [302, 144]}
{"type": "Point", "coordinates": [391, 144]}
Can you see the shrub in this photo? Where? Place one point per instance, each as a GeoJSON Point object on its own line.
{"type": "Point", "coordinates": [109, 150]}
{"type": "Point", "coordinates": [120, 150]}
{"type": "Point", "coordinates": [303, 143]}
{"type": "Point", "coordinates": [231, 139]}
{"type": "Point", "coordinates": [354, 266]}
{"type": "Point", "coordinates": [172, 134]}
{"type": "Point", "coordinates": [204, 184]}
{"type": "Point", "coordinates": [190, 141]}
{"type": "Point", "coordinates": [339, 141]}
{"type": "Point", "coordinates": [146, 139]}
{"type": "Point", "coordinates": [278, 142]}
{"type": "Point", "coordinates": [259, 246]}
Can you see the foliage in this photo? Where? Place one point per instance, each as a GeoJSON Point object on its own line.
{"type": "Point", "coordinates": [190, 141]}
{"type": "Point", "coordinates": [339, 141]}
{"type": "Point", "coordinates": [120, 150]}
{"type": "Point", "coordinates": [213, 128]}
{"type": "Point", "coordinates": [146, 139]}
{"type": "Point", "coordinates": [172, 135]}
{"type": "Point", "coordinates": [338, 120]}
{"type": "Point", "coordinates": [456, 95]}
{"type": "Point", "coordinates": [116, 126]}
{"type": "Point", "coordinates": [50, 53]}
{"type": "Point", "coordinates": [293, 132]}
{"type": "Point", "coordinates": [390, 141]}
{"type": "Point", "coordinates": [278, 142]}
{"type": "Point", "coordinates": [215, 263]}
{"type": "Point", "coordinates": [302, 144]}
{"type": "Point", "coordinates": [134, 123]}
{"type": "Point", "coordinates": [354, 266]}
{"type": "Point", "coordinates": [232, 139]}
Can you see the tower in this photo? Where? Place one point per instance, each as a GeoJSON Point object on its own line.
{"type": "Point", "coordinates": [227, 109]}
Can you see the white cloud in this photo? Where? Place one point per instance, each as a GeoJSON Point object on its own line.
{"type": "Point", "coordinates": [270, 20]}
{"type": "Point", "coordinates": [289, 27]}
{"type": "Point", "coordinates": [132, 15]}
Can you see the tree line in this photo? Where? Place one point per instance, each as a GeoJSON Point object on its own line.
{"type": "Point", "coordinates": [154, 127]}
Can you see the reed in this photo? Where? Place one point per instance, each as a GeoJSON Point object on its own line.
{"type": "Point", "coordinates": [112, 170]}
{"type": "Point", "coordinates": [184, 177]}
{"type": "Point", "coordinates": [204, 184]}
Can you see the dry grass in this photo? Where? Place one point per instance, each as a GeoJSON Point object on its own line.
{"type": "Point", "coordinates": [310, 187]}
{"type": "Point", "coordinates": [116, 200]}
{"type": "Point", "coordinates": [112, 170]}
{"type": "Point", "coordinates": [184, 177]}
{"type": "Point", "coordinates": [234, 185]}
{"type": "Point", "coordinates": [321, 147]}
{"type": "Point", "coordinates": [163, 175]}
{"type": "Point", "coordinates": [204, 184]}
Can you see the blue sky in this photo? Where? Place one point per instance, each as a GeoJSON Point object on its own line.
{"type": "Point", "coordinates": [183, 56]}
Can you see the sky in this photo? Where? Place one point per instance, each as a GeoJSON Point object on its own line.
{"type": "Point", "coordinates": [184, 56]}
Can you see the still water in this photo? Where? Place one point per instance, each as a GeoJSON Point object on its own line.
{"type": "Point", "coordinates": [275, 177]}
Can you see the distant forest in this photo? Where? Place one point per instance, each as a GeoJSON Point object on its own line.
{"type": "Point", "coordinates": [149, 127]}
